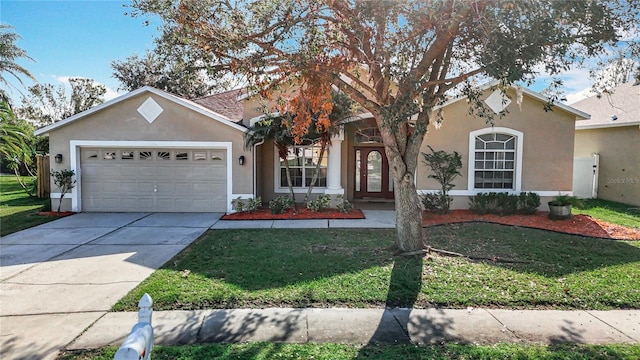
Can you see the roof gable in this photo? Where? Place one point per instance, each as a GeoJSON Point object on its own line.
{"type": "Point", "coordinates": [530, 93]}
{"type": "Point", "coordinates": [621, 108]}
{"type": "Point", "coordinates": [170, 97]}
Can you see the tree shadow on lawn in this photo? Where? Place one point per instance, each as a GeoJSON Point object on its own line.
{"type": "Point", "coordinates": [526, 250]}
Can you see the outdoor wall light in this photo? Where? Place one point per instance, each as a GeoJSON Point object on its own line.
{"type": "Point", "coordinates": [58, 158]}
{"type": "Point", "coordinates": [241, 160]}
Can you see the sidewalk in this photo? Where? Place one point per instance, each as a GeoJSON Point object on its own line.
{"type": "Point", "coordinates": [363, 326]}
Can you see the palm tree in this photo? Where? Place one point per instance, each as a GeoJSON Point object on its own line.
{"type": "Point", "coordinates": [13, 143]}
{"type": "Point", "coordinates": [9, 54]}
{"type": "Point", "coordinates": [273, 128]}
{"type": "Point", "coordinates": [342, 109]}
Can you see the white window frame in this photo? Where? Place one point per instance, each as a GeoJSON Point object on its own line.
{"type": "Point", "coordinates": [303, 189]}
{"type": "Point", "coordinates": [517, 180]}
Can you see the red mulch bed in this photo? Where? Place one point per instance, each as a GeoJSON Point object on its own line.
{"type": "Point", "coordinates": [577, 224]}
{"type": "Point", "coordinates": [53, 213]}
{"type": "Point", "coordinates": [303, 214]}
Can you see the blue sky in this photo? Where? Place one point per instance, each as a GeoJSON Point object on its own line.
{"type": "Point", "coordinates": [81, 38]}
{"type": "Point", "coordinates": [76, 38]}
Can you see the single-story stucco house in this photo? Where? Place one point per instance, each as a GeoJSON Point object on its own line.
{"type": "Point", "coordinates": [152, 151]}
{"type": "Point", "coordinates": [613, 135]}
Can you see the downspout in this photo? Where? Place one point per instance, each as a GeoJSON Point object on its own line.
{"type": "Point", "coordinates": [255, 169]}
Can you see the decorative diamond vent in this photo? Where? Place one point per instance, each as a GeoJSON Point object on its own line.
{"type": "Point", "coordinates": [150, 110]}
{"type": "Point", "coordinates": [497, 101]}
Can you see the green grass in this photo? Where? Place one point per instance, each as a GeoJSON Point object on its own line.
{"type": "Point", "coordinates": [261, 350]}
{"type": "Point", "coordinates": [353, 268]}
{"type": "Point", "coordinates": [18, 211]}
{"type": "Point", "coordinates": [613, 212]}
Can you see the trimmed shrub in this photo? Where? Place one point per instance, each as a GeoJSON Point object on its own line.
{"type": "Point", "coordinates": [343, 205]}
{"type": "Point", "coordinates": [320, 203]}
{"type": "Point", "coordinates": [528, 203]}
{"type": "Point", "coordinates": [280, 204]}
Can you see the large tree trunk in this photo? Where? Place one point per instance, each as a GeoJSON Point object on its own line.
{"type": "Point", "coordinates": [408, 215]}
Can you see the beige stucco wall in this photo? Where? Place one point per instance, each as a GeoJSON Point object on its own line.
{"type": "Point", "coordinates": [619, 150]}
{"type": "Point", "coordinates": [122, 122]}
{"type": "Point", "coordinates": [548, 141]}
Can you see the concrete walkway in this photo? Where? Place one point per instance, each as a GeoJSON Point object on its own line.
{"type": "Point", "coordinates": [59, 280]}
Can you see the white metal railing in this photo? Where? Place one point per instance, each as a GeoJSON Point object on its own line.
{"type": "Point", "coordinates": [139, 343]}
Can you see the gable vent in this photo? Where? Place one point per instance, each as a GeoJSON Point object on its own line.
{"type": "Point", "coordinates": [150, 110]}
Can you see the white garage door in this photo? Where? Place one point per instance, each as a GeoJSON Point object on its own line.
{"type": "Point", "coordinates": [158, 180]}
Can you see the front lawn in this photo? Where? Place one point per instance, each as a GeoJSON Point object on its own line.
{"type": "Point", "coordinates": [522, 268]}
{"type": "Point", "coordinates": [266, 351]}
{"type": "Point", "coordinates": [613, 212]}
{"type": "Point", "coordinates": [18, 211]}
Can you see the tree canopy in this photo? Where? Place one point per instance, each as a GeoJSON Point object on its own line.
{"type": "Point", "coordinates": [45, 104]}
{"type": "Point", "coordinates": [396, 59]}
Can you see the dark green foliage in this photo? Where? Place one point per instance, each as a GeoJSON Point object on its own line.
{"type": "Point", "coordinates": [320, 203]}
{"type": "Point", "coordinates": [444, 167]}
{"type": "Point", "coordinates": [504, 204]}
{"type": "Point", "coordinates": [281, 204]}
{"type": "Point", "coordinates": [528, 203]}
{"type": "Point", "coordinates": [564, 200]}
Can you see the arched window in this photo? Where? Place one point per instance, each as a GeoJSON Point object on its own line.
{"type": "Point", "coordinates": [495, 161]}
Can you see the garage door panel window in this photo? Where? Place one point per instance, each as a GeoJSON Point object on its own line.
{"type": "Point", "coordinates": [182, 155]}
{"type": "Point", "coordinates": [200, 156]}
{"type": "Point", "coordinates": [109, 155]}
{"type": "Point", "coordinates": [163, 155]}
{"type": "Point", "coordinates": [145, 155]}
{"type": "Point", "coordinates": [126, 154]}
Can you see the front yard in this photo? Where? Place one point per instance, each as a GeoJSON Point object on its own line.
{"type": "Point", "coordinates": [18, 211]}
{"type": "Point", "coordinates": [511, 267]}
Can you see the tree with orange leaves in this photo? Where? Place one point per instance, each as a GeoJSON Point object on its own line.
{"type": "Point", "coordinates": [395, 58]}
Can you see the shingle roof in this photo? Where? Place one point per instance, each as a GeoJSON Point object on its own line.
{"type": "Point", "coordinates": [225, 103]}
{"type": "Point", "coordinates": [623, 105]}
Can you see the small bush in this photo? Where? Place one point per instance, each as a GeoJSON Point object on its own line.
{"type": "Point", "coordinates": [280, 204]}
{"type": "Point", "coordinates": [320, 203]}
{"type": "Point", "coordinates": [254, 203]}
{"type": "Point", "coordinates": [343, 205]}
{"type": "Point", "coordinates": [483, 203]}
{"type": "Point", "coordinates": [237, 204]}
{"type": "Point", "coordinates": [437, 202]}
{"type": "Point", "coordinates": [445, 167]}
{"type": "Point", "coordinates": [528, 203]}
{"type": "Point", "coordinates": [504, 204]}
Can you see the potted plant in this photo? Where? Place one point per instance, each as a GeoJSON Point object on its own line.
{"type": "Point", "coordinates": [560, 206]}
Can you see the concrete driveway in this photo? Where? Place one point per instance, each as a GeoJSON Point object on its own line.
{"type": "Point", "coordinates": [58, 278]}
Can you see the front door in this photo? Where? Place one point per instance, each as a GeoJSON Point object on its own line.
{"type": "Point", "coordinates": [372, 174]}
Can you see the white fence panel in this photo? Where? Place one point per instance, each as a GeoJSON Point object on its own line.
{"type": "Point", "coordinates": [585, 176]}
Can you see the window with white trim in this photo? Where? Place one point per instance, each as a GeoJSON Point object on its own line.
{"type": "Point", "coordinates": [494, 161]}
{"type": "Point", "coordinates": [303, 161]}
